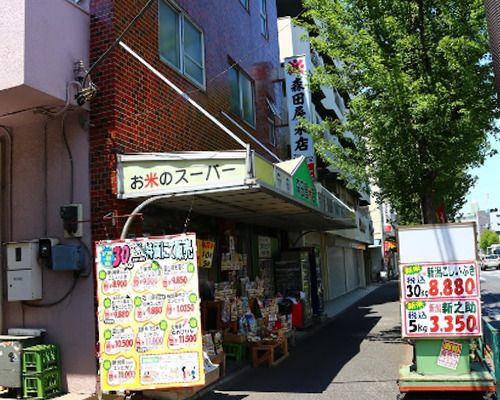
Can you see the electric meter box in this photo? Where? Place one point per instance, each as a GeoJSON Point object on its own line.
{"type": "Point", "coordinates": [67, 257]}
{"type": "Point", "coordinates": [24, 272]}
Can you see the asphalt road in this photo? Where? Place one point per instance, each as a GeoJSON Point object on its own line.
{"type": "Point", "coordinates": [354, 357]}
{"type": "Point", "coordinates": [490, 293]}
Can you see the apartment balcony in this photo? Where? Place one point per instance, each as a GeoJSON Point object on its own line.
{"type": "Point", "coordinates": [41, 41]}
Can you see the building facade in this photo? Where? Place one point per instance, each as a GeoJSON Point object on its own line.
{"type": "Point", "coordinates": [227, 68]}
{"type": "Point", "coordinates": [493, 17]}
{"type": "Point", "coordinates": [44, 145]}
{"type": "Point", "coordinates": [345, 256]}
{"type": "Point", "coordinates": [188, 82]}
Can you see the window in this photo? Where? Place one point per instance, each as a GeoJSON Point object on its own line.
{"type": "Point", "coordinates": [181, 43]}
{"type": "Point", "coordinates": [263, 18]}
{"type": "Point", "coordinates": [242, 95]}
{"type": "Point", "coordinates": [272, 113]}
{"type": "Point", "coordinates": [244, 3]}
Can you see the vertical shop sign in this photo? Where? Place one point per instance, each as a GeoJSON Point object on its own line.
{"type": "Point", "coordinates": [148, 313]}
{"type": "Point", "coordinates": [299, 106]}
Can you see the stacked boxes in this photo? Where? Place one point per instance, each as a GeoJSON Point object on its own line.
{"type": "Point", "coordinates": [41, 372]}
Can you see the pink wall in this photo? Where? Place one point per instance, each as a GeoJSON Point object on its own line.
{"type": "Point", "coordinates": [70, 324]}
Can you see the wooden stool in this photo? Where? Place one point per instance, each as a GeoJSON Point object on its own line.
{"type": "Point", "coordinates": [265, 352]}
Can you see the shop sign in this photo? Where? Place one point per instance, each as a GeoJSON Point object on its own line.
{"type": "Point", "coordinates": [148, 313]}
{"type": "Point", "coordinates": [449, 355]}
{"type": "Point", "coordinates": [283, 181]}
{"type": "Point", "coordinates": [331, 206]}
{"type": "Point", "coordinates": [265, 250]}
{"type": "Point", "coordinates": [433, 281]}
{"type": "Point", "coordinates": [303, 186]}
{"type": "Point", "coordinates": [439, 318]}
{"type": "Point", "coordinates": [299, 106]}
{"type": "Point", "coordinates": [205, 253]}
{"type": "Point", "coordinates": [138, 178]}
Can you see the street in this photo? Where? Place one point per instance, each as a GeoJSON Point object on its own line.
{"type": "Point", "coordinates": [354, 357]}
{"type": "Point", "coordinates": [490, 293]}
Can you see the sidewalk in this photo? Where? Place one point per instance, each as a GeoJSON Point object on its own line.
{"type": "Point", "coordinates": [355, 354]}
{"type": "Point", "coordinates": [333, 309]}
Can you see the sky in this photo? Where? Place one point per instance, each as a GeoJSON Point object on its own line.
{"type": "Point", "coordinates": [486, 191]}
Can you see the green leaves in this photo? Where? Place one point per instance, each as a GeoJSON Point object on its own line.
{"type": "Point", "coordinates": [488, 238]}
{"type": "Point", "coordinates": [422, 96]}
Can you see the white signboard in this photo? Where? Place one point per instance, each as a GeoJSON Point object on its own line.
{"type": "Point", "coordinates": [145, 176]}
{"type": "Point", "coordinates": [299, 105]}
{"type": "Point", "coordinates": [437, 243]}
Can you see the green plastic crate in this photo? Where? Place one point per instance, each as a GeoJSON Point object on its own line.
{"type": "Point", "coordinates": [43, 385]}
{"type": "Point", "coordinates": [39, 358]}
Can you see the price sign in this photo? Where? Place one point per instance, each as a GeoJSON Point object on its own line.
{"type": "Point", "coordinates": [177, 276]}
{"type": "Point", "coordinates": [150, 337]}
{"type": "Point", "coordinates": [120, 371]}
{"type": "Point", "coordinates": [147, 277]}
{"type": "Point", "coordinates": [114, 280]}
{"type": "Point", "coordinates": [149, 313]}
{"type": "Point", "coordinates": [118, 340]}
{"type": "Point", "coordinates": [449, 355]}
{"type": "Point", "coordinates": [149, 306]}
{"type": "Point", "coordinates": [457, 318]}
{"type": "Point", "coordinates": [117, 309]}
{"type": "Point", "coordinates": [183, 334]}
{"type": "Point", "coordinates": [180, 304]}
{"type": "Point", "coordinates": [205, 253]}
{"type": "Point", "coordinates": [439, 281]}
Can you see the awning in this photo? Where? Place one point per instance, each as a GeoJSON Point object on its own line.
{"type": "Point", "coordinates": [235, 185]}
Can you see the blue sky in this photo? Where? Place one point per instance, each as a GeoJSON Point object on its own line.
{"type": "Point", "coordinates": [487, 189]}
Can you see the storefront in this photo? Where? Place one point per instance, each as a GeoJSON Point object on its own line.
{"type": "Point", "coordinates": [255, 286]}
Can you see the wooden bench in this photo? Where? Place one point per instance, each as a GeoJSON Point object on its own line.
{"type": "Point", "coordinates": [269, 352]}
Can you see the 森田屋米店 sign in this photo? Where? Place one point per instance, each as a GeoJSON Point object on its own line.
{"type": "Point", "coordinates": [299, 106]}
{"type": "Point", "coordinates": [148, 313]}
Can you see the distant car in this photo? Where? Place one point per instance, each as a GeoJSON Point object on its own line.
{"type": "Point", "coordinates": [490, 261]}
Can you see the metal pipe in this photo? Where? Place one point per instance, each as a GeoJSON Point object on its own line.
{"type": "Point", "coordinates": [184, 95]}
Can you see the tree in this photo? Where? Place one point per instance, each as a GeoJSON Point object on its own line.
{"type": "Point", "coordinates": [420, 92]}
{"type": "Point", "coordinates": [487, 238]}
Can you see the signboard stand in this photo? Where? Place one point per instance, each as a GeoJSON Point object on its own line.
{"type": "Point", "coordinates": [441, 309]}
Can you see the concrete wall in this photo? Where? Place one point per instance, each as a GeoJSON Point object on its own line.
{"type": "Point", "coordinates": [12, 26]}
{"type": "Point", "coordinates": [70, 324]}
{"type": "Point", "coordinates": [41, 39]}
{"type": "Point", "coordinates": [57, 35]}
